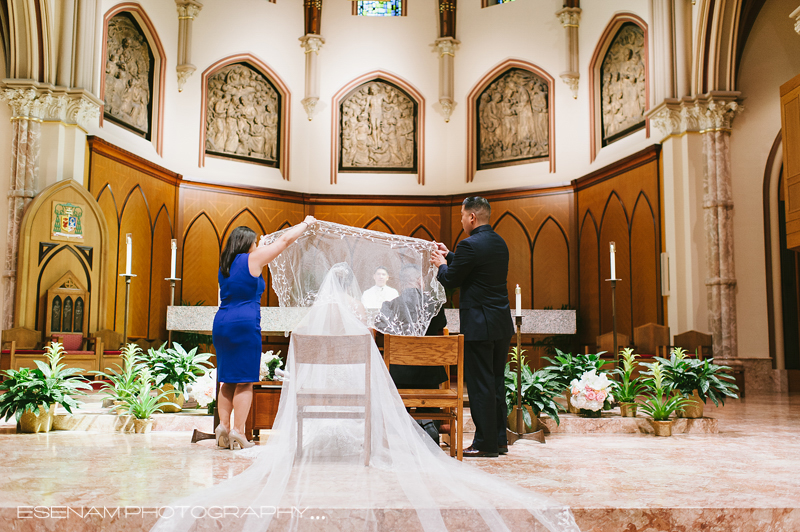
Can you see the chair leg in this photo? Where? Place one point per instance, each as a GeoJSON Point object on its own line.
{"type": "Point", "coordinates": [460, 432]}
{"type": "Point", "coordinates": [299, 452]}
{"type": "Point", "coordinates": [367, 435]}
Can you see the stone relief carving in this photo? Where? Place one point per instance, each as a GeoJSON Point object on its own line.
{"type": "Point", "coordinates": [513, 116]}
{"type": "Point", "coordinates": [378, 128]}
{"type": "Point", "coordinates": [242, 114]}
{"type": "Point", "coordinates": [623, 82]}
{"type": "Point", "coordinates": [128, 90]}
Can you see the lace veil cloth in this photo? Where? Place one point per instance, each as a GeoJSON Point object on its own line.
{"type": "Point", "coordinates": [319, 481]}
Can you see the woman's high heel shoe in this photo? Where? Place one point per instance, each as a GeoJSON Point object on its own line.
{"type": "Point", "coordinates": [221, 434]}
{"type": "Point", "coordinates": [236, 438]}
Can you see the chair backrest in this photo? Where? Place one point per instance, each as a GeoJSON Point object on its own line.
{"type": "Point", "coordinates": [24, 337]}
{"type": "Point", "coordinates": [67, 307]}
{"type": "Point", "coordinates": [423, 350]}
{"type": "Point", "coordinates": [649, 337]}
{"type": "Point", "coordinates": [605, 342]}
{"type": "Point", "coordinates": [695, 341]}
{"type": "Point", "coordinates": [70, 341]}
{"type": "Point", "coordinates": [112, 340]}
{"type": "Point", "coordinates": [346, 349]}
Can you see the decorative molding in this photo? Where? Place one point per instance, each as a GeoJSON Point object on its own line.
{"type": "Point", "coordinates": [187, 12]}
{"type": "Point", "coordinates": [446, 47]}
{"type": "Point", "coordinates": [707, 112]}
{"type": "Point", "coordinates": [43, 102]}
{"type": "Point", "coordinates": [796, 16]}
{"type": "Point", "coordinates": [572, 79]}
{"type": "Point", "coordinates": [570, 17]}
{"type": "Point", "coordinates": [309, 104]}
{"type": "Point", "coordinates": [311, 44]}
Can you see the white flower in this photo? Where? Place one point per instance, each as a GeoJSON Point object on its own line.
{"type": "Point", "coordinates": [203, 389]}
{"type": "Point", "coordinates": [591, 391]}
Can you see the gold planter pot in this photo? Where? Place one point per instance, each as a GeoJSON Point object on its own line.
{"type": "Point", "coordinates": [41, 421]}
{"type": "Point", "coordinates": [171, 397]}
{"type": "Point", "coordinates": [142, 426]}
{"type": "Point", "coordinates": [662, 428]}
{"type": "Point", "coordinates": [628, 409]}
{"type": "Point", "coordinates": [66, 421]}
{"type": "Point", "coordinates": [694, 408]}
{"type": "Point", "coordinates": [512, 421]}
{"type": "Point", "coordinates": [570, 407]}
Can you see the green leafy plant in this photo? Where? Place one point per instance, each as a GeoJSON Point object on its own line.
{"type": "Point", "coordinates": [144, 403]}
{"type": "Point", "coordinates": [627, 387]}
{"type": "Point", "coordinates": [660, 402]}
{"type": "Point", "coordinates": [48, 384]}
{"type": "Point", "coordinates": [565, 367]}
{"type": "Point", "coordinates": [176, 366]}
{"type": "Point", "coordinates": [538, 389]}
{"type": "Point", "coordinates": [688, 374]}
{"type": "Point", "coordinates": [126, 381]}
{"type": "Point", "coordinates": [192, 339]}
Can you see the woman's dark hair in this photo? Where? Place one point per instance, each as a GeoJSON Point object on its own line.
{"type": "Point", "coordinates": [239, 242]}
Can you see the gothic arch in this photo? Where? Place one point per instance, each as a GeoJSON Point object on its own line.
{"type": "Point", "coordinates": [409, 89]}
{"type": "Point", "coordinates": [772, 180]}
{"type": "Point", "coordinates": [381, 220]}
{"type": "Point", "coordinates": [607, 37]}
{"type": "Point", "coordinates": [481, 85]}
{"type": "Point", "coordinates": [159, 67]}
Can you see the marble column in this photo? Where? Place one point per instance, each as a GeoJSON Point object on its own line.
{"type": "Point", "coordinates": [446, 47]}
{"type": "Point", "coordinates": [663, 47]}
{"type": "Point", "coordinates": [187, 12]}
{"type": "Point", "coordinates": [39, 112]}
{"type": "Point", "coordinates": [312, 44]}
{"type": "Point", "coordinates": [570, 18]}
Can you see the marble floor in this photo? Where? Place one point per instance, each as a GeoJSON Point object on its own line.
{"type": "Point", "coordinates": [746, 478]}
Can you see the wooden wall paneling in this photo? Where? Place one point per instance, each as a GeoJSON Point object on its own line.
{"type": "Point", "coordinates": [378, 224]}
{"type": "Point", "coordinates": [246, 218]}
{"type": "Point", "coordinates": [645, 264]}
{"type": "Point", "coordinates": [200, 261]}
{"type": "Point", "coordinates": [160, 270]}
{"type": "Point", "coordinates": [137, 221]}
{"type": "Point", "coordinates": [790, 126]}
{"type": "Point", "coordinates": [589, 280]}
{"type": "Point", "coordinates": [551, 267]}
{"type": "Point", "coordinates": [614, 228]}
{"type": "Point", "coordinates": [518, 240]}
{"type": "Point", "coordinates": [107, 203]}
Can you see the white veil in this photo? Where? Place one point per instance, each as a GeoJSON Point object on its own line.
{"type": "Point", "coordinates": [351, 473]}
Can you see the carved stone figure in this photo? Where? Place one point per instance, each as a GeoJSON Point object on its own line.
{"type": "Point", "coordinates": [513, 119]}
{"type": "Point", "coordinates": [378, 128]}
{"type": "Point", "coordinates": [128, 89]}
{"type": "Point", "coordinates": [242, 114]}
{"type": "Point", "coordinates": [623, 82]}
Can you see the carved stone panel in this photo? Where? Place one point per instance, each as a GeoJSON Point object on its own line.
{"type": "Point", "coordinates": [243, 115]}
{"type": "Point", "coordinates": [623, 84]}
{"type": "Point", "coordinates": [513, 119]}
{"type": "Point", "coordinates": [378, 129]}
{"type": "Point", "coordinates": [129, 80]}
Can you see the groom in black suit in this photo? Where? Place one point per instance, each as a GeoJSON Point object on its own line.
{"type": "Point", "coordinates": [480, 267]}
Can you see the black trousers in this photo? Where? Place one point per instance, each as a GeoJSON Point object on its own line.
{"type": "Point", "coordinates": [484, 374]}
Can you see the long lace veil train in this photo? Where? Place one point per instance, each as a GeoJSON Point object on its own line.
{"type": "Point", "coordinates": [362, 463]}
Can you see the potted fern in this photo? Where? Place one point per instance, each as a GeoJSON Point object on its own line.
{"type": "Point", "coordinates": [143, 404]}
{"type": "Point", "coordinates": [539, 391]}
{"type": "Point", "coordinates": [124, 382]}
{"type": "Point", "coordinates": [174, 369]}
{"type": "Point", "coordinates": [660, 403]}
{"type": "Point", "coordinates": [628, 387]}
{"type": "Point", "coordinates": [697, 380]}
{"type": "Point", "coordinates": [566, 368]}
{"type": "Point", "coordinates": [31, 394]}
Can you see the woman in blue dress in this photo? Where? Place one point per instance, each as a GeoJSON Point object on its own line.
{"type": "Point", "coordinates": [237, 325]}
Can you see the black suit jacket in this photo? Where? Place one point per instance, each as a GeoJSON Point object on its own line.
{"type": "Point", "coordinates": [480, 267]}
{"type": "Point", "coordinates": [410, 300]}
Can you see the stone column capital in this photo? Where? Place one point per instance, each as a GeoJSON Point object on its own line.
{"type": "Point", "coordinates": [796, 16]}
{"type": "Point", "coordinates": [188, 9]}
{"type": "Point", "coordinates": [47, 103]}
{"type": "Point", "coordinates": [570, 17]}
{"type": "Point", "coordinates": [712, 111]}
{"type": "Point", "coordinates": [312, 43]}
{"type": "Point", "coordinates": [446, 46]}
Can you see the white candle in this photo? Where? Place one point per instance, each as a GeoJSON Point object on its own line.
{"type": "Point", "coordinates": [518, 302]}
{"type": "Point", "coordinates": [174, 258]}
{"type": "Point", "coordinates": [129, 245]}
{"type": "Point", "coordinates": [613, 250]}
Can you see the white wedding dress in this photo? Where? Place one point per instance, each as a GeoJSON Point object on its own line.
{"type": "Point", "coordinates": [323, 484]}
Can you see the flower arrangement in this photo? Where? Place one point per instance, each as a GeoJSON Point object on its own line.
{"type": "Point", "coordinates": [565, 367]}
{"type": "Point", "coordinates": [591, 392]}
{"type": "Point", "coordinates": [269, 363]}
{"type": "Point", "coordinates": [204, 388]}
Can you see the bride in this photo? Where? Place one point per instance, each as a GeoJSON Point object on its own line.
{"type": "Point", "coordinates": [361, 463]}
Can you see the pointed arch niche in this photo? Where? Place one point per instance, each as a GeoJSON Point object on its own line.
{"type": "Point", "coordinates": [473, 121]}
{"type": "Point", "coordinates": [419, 122]}
{"type": "Point", "coordinates": [158, 73]}
{"type": "Point", "coordinates": [609, 36]}
{"type": "Point", "coordinates": [283, 112]}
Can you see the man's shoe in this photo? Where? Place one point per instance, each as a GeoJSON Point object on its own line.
{"type": "Point", "coordinates": [471, 452]}
{"type": "Point", "coordinates": [502, 450]}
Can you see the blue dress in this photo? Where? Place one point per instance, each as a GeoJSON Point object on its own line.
{"type": "Point", "coordinates": [237, 325]}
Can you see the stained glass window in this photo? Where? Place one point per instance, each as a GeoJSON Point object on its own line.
{"type": "Point", "coordinates": [376, 8]}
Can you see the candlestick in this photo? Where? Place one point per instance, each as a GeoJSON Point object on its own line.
{"type": "Point", "coordinates": [129, 247]}
{"type": "Point", "coordinates": [518, 302]}
{"type": "Point", "coordinates": [174, 255]}
{"type": "Point", "coordinates": [613, 250]}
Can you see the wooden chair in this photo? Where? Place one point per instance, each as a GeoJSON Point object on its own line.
{"type": "Point", "coordinates": [605, 342]}
{"type": "Point", "coordinates": [108, 343]}
{"type": "Point", "coordinates": [651, 340]}
{"type": "Point", "coordinates": [433, 351]}
{"type": "Point", "coordinates": [347, 349]}
{"type": "Point", "coordinates": [695, 342]}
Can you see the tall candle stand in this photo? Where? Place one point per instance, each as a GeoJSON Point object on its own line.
{"type": "Point", "coordinates": [522, 434]}
{"type": "Point", "coordinates": [172, 281]}
{"type": "Point", "coordinates": [127, 277]}
{"type": "Point", "coordinates": [614, 318]}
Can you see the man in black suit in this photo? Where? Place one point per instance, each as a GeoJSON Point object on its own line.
{"type": "Point", "coordinates": [480, 267]}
